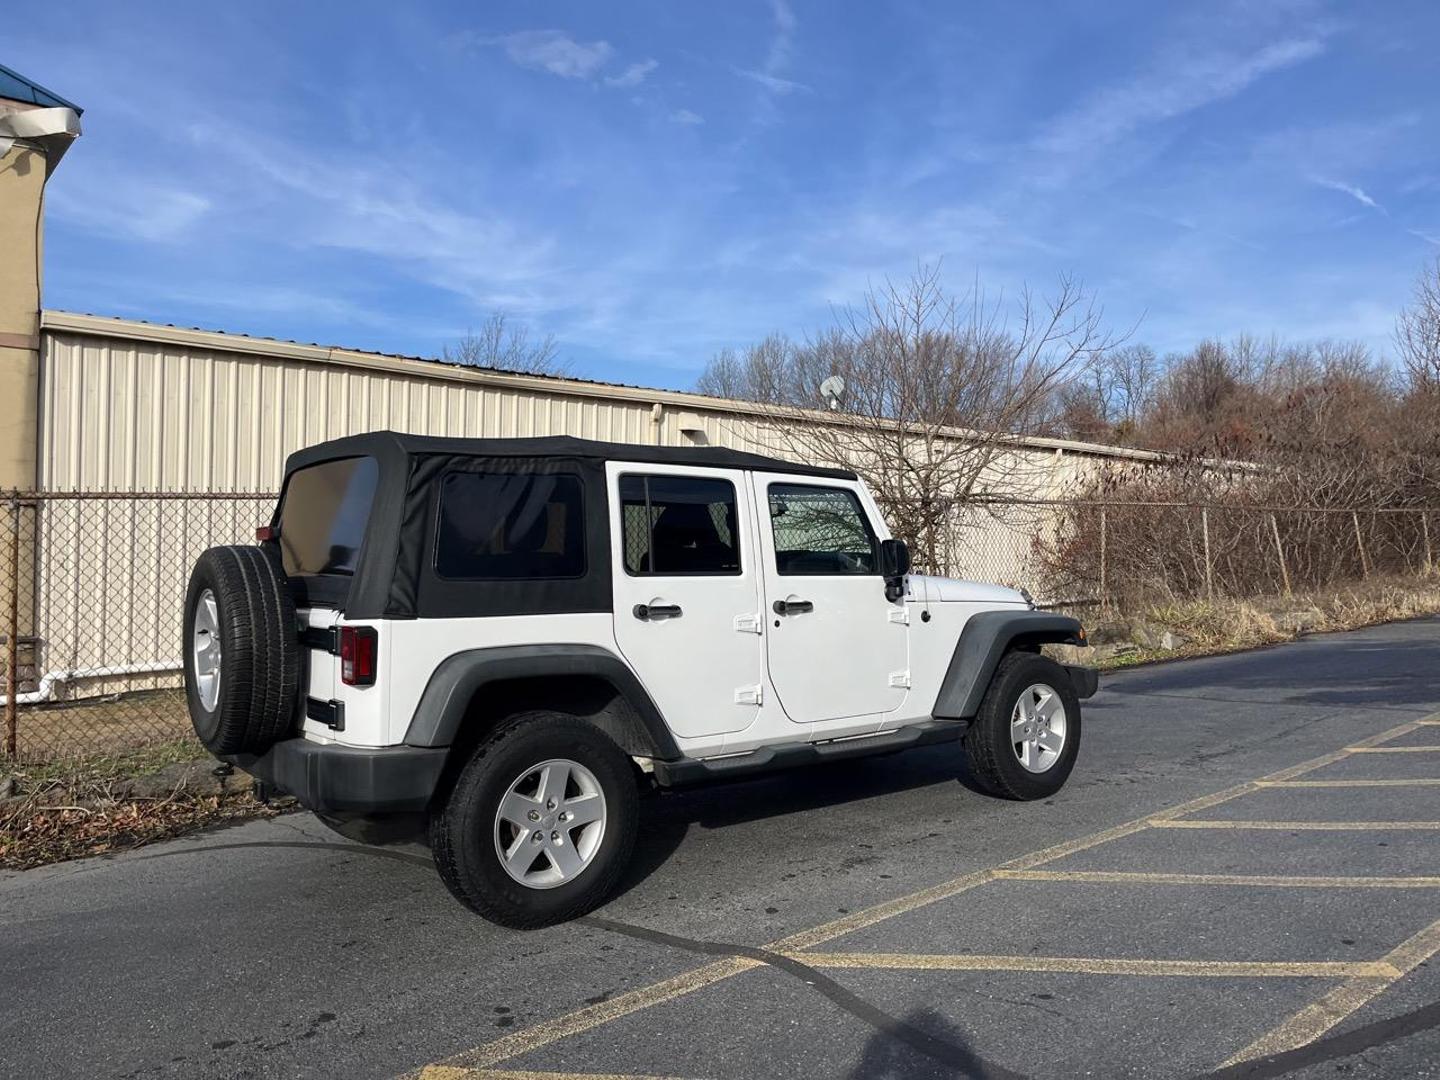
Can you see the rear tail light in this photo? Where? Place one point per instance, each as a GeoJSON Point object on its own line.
{"type": "Point", "coordinates": [358, 648]}
{"type": "Point", "coordinates": [264, 533]}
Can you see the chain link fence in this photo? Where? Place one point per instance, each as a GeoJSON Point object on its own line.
{"type": "Point", "coordinates": [92, 586]}
{"type": "Point", "coordinates": [1129, 554]}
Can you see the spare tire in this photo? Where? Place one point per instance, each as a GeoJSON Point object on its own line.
{"type": "Point", "coordinates": [242, 651]}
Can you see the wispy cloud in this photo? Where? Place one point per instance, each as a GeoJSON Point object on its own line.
{"type": "Point", "coordinates": [1179, 85]}
{"type": "Point", "coordinates": [685, 116]}
{"type": "Point", "coordinates": [774, 83]}
{"type": "Point", "coordinates": [633, 75]}
{"type": "Point", "coordinates": [1357, 193]}
{"type": "Point", "coordinates": [555, 52]}
{"type": "Point", "coordinates": [127, 206]}
{"type": "Point", "coordinates": [777, 57]}
{"type": "Point", "coordinates": [349, 203]}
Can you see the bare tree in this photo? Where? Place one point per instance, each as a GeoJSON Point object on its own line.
{"type": "Point", "coordinates": [936, 390]}
{"type": "Point", "coordinates": [507, 346]}
{"type": "Point", "coordinates": [1417, 330]}
{"type": "Point", "coordinates": [762, 372]}
{"type": "Point", "coordinates": [1109, 395]}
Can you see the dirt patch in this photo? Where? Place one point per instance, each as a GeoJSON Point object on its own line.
{"type": "Point", "coordinates": [106, 803]}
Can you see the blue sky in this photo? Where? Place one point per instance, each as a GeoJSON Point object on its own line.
{"type": "Point", "coordinates": [653, 181]}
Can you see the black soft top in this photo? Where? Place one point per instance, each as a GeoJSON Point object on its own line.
{"type": "Point", "coordinates": [395, 576]}
{"type": "Point", "coordinates": [390, 444]}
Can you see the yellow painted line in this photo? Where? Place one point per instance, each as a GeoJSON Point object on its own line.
{"type": "Point", "coordinates": [561, 1027]}
{"type": "Point", "coordinates": [1429, 722]}
{"type": "Point", "coordinates": [1395, 749]}
{"type": "Point", "coordinates": [1297, 826]}
{"type": "Point", "coordinates": [450, 1072]}
{"type": "Point", "coordinates": [1116, 877]}
{"type": "Point", "coordinates": [860, 920]}
{"type": "Point", "coordinates": [1086, 965]}
{"type": "Point", "coordinates": [1425, 782]}
{"type": "Point", "coordinates": [549, 1031]}
{"type": "Point", "coordinates": [1316, 1019]}
{"type": "Point", "coordinates": [807, 939]}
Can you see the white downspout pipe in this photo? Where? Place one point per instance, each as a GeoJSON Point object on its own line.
{"type": "Point", "coordinates": [49, 681]}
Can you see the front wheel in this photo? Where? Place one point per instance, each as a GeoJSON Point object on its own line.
{"type": "Point", "coordinates": [540, 823]}
{"type": "Point", "coordinates": [1023, 742]}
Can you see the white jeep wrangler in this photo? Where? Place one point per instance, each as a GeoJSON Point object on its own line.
{"type": "Point", "coordinates": [509, 638]}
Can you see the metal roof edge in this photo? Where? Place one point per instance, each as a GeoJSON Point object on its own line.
{"type": "Point", "coordinates": [37, 89]}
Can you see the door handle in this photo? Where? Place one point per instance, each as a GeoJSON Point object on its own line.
{"type": "Point", "coordinates": [656, 611]}
{"type": "Point", "coordinates": [792, 607]}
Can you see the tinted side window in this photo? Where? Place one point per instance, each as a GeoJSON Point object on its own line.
{"type": "Point", "coordinates": [678, 525]}
{"type": "Point", "coordinates": [323, 517]}
{"type": "Point", "coordinates": [506, 526]}
{"type": "Point", "coordinates": [820, 530]}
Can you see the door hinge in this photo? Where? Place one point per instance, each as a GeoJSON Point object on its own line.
{"type": "Point", "coordinates": [900, 680]}
{"type": "Point", "coordinates": [748, 624]}
{"type": "Point", "coordinates": [329, 713]}
{"type": "Point", "coordinates": [899, 615]}
{"type": "Point", "coordinates": [748, 695]}
{"type": "Point", "coordinates": [324, 638]}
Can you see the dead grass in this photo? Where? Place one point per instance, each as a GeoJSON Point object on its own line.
{"type": "Point", "coordinates": [69, 809]}
{"type": "Point", "coordinates": [1224, 625]}
{"type": "Point", "coordinates": [33, 836]}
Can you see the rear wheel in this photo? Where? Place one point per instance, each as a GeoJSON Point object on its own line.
{"type": "Point", "coordinates": [540, 823]}
{"type": "Point", "coordinates": [1023, 742]}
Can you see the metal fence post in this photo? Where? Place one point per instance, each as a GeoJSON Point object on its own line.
{"type": "Point", "coordinates": [1359, 543]}
{"type": "Point", "coordinates": [1280, 553]}
{"type": "Point", "coordinates": [12, 634]}
{"type": "Point", "coordinates": [1103, 531]}
{"type": "Point", "coordinates": [1425, 531]}
{"type": "Point", "coordinates": [1209, 568]}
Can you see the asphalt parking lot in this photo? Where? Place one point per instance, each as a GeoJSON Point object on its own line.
{"type": "Point", "coordinates": [1241, 879]}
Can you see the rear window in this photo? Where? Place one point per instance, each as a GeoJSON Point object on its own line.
{"type": "Point", "coordinates": [323, 517]}
{"type": "Point", "coordinates": [498, 526]}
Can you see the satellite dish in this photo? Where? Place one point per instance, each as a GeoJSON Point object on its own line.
{"type": "Point", "coordinates": [832, 390]}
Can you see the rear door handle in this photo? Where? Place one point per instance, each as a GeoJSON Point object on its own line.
{"type": "Point", "coordinates": [656, 611]}
{"type": "Point", "coordinates": [792, 607]}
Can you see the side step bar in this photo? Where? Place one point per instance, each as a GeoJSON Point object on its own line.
{"type": "Point", "coordinates": [770, 759]}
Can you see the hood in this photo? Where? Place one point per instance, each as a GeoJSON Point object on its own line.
{"type": "Point", "coordinates": [939, 590]}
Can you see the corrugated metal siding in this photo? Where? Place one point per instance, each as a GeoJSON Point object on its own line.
{"type": "Point", "coordinates": [120, 415]}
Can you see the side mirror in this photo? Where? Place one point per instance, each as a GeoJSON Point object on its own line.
{"type": "Point", "coordinates": [894, 565]}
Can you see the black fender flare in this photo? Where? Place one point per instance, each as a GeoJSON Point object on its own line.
{"type": "Point", "coordinates": [984, 639]}
{"type": "Point", "coordinates": [457, 679]}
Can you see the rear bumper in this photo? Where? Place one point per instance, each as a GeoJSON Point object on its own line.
{"type": "Point", "coordinates": [348, 779]}
{"type": "Point", "coordinates": [1086, 680]}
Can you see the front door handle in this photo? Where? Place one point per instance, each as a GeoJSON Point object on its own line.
{"type": "Point", "coordinates": [792, 607]}
{"type": "Point", "coordinates": [655, 611]}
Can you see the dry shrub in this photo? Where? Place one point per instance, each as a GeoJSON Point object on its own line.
{"type": "Point", "coordinates": [1160, 535]}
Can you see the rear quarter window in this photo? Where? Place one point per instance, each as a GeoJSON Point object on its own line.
{"type": "Point", "coordinates": [510, 526]}
{"type": "Point", "coordinates": [324, 514]}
